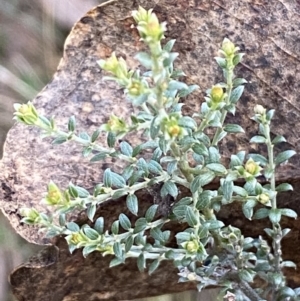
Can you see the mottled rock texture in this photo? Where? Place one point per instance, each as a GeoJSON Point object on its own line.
{"type": "Point", "coordinates": [267, 31]}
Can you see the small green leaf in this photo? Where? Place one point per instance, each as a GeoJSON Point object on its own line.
{"type": "Point", "coordinates": [169, 45]}
{"type": "Point", "coordinates": [142, 164]}
{"type": "Point", "coordinates": [240, 191]}
{"type": "Point", "coordinates": [140, 225]}
{"type": "Point", "coordinates": [187, 122]}
{"type": "Point", "coordinates": [62, 220]}
{"type": "Point", "coordinates": [59, 140]}
{"type": "Point", "coordinates": [214, 155]}
{"type": "Point", "coordinates": [248, 208]}
{"type": "Point", "coordinates": [124, 221]}
{"type": "Point", "coordinates": [261, 213]}
{"type": "Point", "coordinates": [117, 180]}
{"type": "Point", "coordinates": [172, 167]}
{"type": "Point", "coordinates": [82, 193]}
{"type": "Point", "coordinates": [136, 150]}
{"type": "Point", "coordinates": [84, 136]}
{"type": "Point", "coordinates": [184, 93]}
{"type": "Point", "coordinates": [127, 172]}
{"type": "Point", "coordinates": [236, 94]}
{"type": "Point", "coordinates": [278, 139]}
{"type": "Point", "coordinates": [132, 203]}
{"type": "Point", "coordinates": [157, 154]}
{"type": "Point", "coordinates": [246, 275]}
{"type": "Point", "coordinates": [203, 200]}
{"type": "Point", "coordinates": [169, 188]}
{"type": "Point", "coordinates": [220, 136]}
{"type": "Point", "coordinates": [275, 215]}
{"type": "Point", "coordinates": [157, 234]}
{"type": "Point", "coordinates": [200, 149]}
{"type": "Point", "coordinates": [233, 128]}
{"type": "Point", "coordinates": [289, 212]}
{"type": "Point", "coordinates": [284, 156]}
{"type": "Point", "coordinates": [88, 250]}
{"type": "Point", "coordinates": [177, 85]}
{"type": "Point", "coordinates": [259, 158]}
{"type": "Point", "coordinates": [73, 191]}
{"type": "Point", "coordinates": [191, 217]}
{"type": "Point", "coordinates": [286, 293]}
{"type": "Point", "coordinates": [184, 201]}
{"type": "Point", "coordinates": [126, 148]}
{"type": "Point", "coordinates": [285, 231]}
{"type": "Point", "coordinates": [111, 139]}
{"type": "Point", "coordinates": [237, 58]}
{"type": "Point", "coordinates": [116, 261]}
{"type": "Point", "coordinates": [107, 178]}
{"type": "Point", "coordinates": [99, 157]}
{"type": "Point", "coordinates": [182, 237]}
{"type": "Point", "coordinates": [239, 81]}
{"type": "Point", "coordinates": [91, 211]}
{"type": "Point", "coordinates": [153, 266]}
{"type": "Point", "coordinates": [284, 187]}
{"type": "Point", "coordinates": [221, 62]}
{"type": "Point", "coordinates": [95, 135]}
{"type": "Point", "coordinates": [144, 58]}
{"type": "Point", "coordinates": [154, 167]}
{"type": "Point", "coordinates": [118, 250]}
{"type": "Point", "coordinates": [128, 243]}
{"type": "Point", "coordinates": [86, 151]}
{"type": "Point", "coordinates": [270, 114]}
{"type": "Point", "coordinates": [258, 139]}
{"type": "Point", "coordinates": [180, 211]}
{"type": "Point", "coordinates": [141, 262]}
{"type": "Point", "coordinates": [163, 145]}
{"type": "Point", "coordinates": [71, 124]}
{"type": "Point", "coordinates": [119, 193]}
{"type": "Point", "coordinates": [99, 225]}
{"type": "Point", "coordinates": [215, 225]}
{"type": "Point", "coordinates": [150, 213]}
{"type": "Point", "coordinates": [288, 264]}
{"type": "Point", "coordinates": [217, 168]}
{"type": "Point", "coordinates": [115, 227]}
{"type": "Point", "coordinates": [227, 188]}
{"type": "Point", "coordinates": [201, 180]}
{"type": "Point", "coordinates": [154, 129]}
{"type": "Point", "coordinates": [91, 233]}
{"type": "Point", "coordinates": [73, 227]}
{"type": "Point", "coordinates": [235, 161]}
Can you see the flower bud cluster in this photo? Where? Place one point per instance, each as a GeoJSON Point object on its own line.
{"type": "Point", "coordinates": [149, 27]}
{"type": "Point", "coordinates": [26, 113]}
{"type": "Point", "coordinates": [115, 125]}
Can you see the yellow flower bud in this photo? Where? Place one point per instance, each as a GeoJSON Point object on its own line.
{"type": "Point", "coordinates": [26, 113]}
{"type": "Point", "coordinates": [217, 94]}
{"type": "Point", "coordinates": [30, 213]}
{"type": "Point", "coordinates": [54, 195]}
{"type": "Point", "coordinates": [263, 198]}
{"type": "Point", "coordinates": [252, 168]}
{"type": "Point", "coordinates": [115, 124]}
{"type": "Point", "coordinates": [228, 47]}
{"type": "Point", "coordinates": [111, 64]}
{"type": "Point", "coordinates": [259, 109]}
{"type": "Point", "coordinates": [148, 25]}
{"type": "Point", "coordinates": [76, 238]}
{"type": "Point", "coordinates": [191, 246]}
{"type": "Point", "coordinates": [135, 88]}
{"type": "Point", "coordinates": [174, 130]}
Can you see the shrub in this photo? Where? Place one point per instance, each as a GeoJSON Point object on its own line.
{"type": "Point", "coordinates": [185, 153]}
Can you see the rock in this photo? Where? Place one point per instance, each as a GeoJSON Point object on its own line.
{"type": "Point", "coordinates": [267, 31]}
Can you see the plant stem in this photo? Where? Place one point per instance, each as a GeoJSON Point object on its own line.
{"type": "Point", "coordinates": [229, 78]}
{"type": "Point", "coordinates": [277, 233]}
